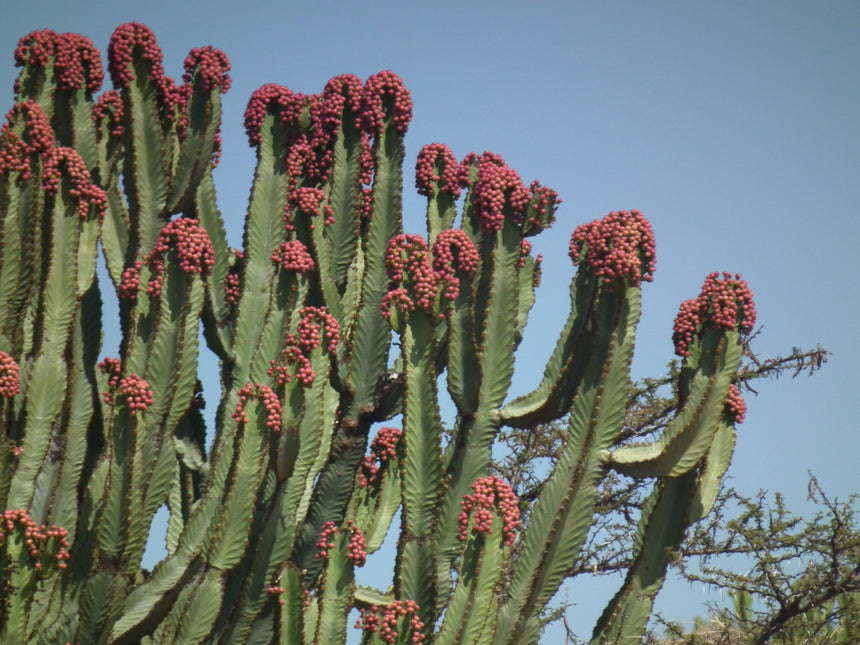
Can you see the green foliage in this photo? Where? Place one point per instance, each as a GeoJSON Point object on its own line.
{"type": "Point", "coordinates": [267, 528]}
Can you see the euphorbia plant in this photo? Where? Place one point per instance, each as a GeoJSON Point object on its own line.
{"type": "Point", "coordinates": [306, 472]}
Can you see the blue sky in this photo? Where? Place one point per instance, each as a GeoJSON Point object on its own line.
{"type": "Point", "coordinates": [733, 126]}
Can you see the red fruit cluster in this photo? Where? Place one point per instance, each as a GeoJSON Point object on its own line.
{"type": "Point", "coordinates": [407, 260]}
{"type": "Point", "coordinates": [193, 250]}
{"type": "Point", "coordinates": [356, 549]}
{"type": "Point", "coordinates": [137, 393]}
{"type": "Point", "coordinates": [385, 94]}
{"type": "Point", "coordinates": [270, 96]}
{"type": "Point", "coordinates": [383, 449]}
{"type": "Point", "coordinates": [525, 249]}
{"type": "Point", "coordinates": [306, 201]}
{"type": "Point", "coordinates": [724, 300]}
{"type": "Point", "coordinates": [619, 247]}
{"type": "Point", "coordinates": [129, 283]}
{"type": "Point", "coordinates": [270, 402]}
{"type": "Point", "coordinates": [37, 138]}
{"type": "Point", "coordinates": [341, 93]}
{"type": "Point", "coordinates": [233, 281]}
{"type": "Point", "coordinates": [46, 545]}
{"type": "Point", "coordinates": [112, 368]}
{"type": "Point", "coordinates": [326, 541]}
{"type": "Point", "coordinates": [109, 107]}
{"type": "Point", "coordinates": [89, 197]}
{"type": "Point", "coordinates": [735, 406]}
{"type": "Point", "coordinates": [293, 256]}
{"type": "Point", "coordinates": [418, 276]}
{"type": "Point", "coordinates": [124, 40]}
{"type": "Point", "coordinates": [437, 169]}
{"type": "Point", "coordinates": [453, 253]}
{"type": "Point", "coordinates": [540, 213]}
{"type": "Point", "coordinates": [386, 620]}
{"type": "Point", "coordinates": [10, 376]}
{"type": "Point", "coordinates": [78, 63]}
{"type": "Point", "coordinates": [211, 66]}
{"type": "Point", "coordinates": [316, 321]}
{"type": "Point", "coordinates": [36, 48]}
{"type": "Point", "coordinates": [276, 590]}
{"type": "Point", "coordinates": [193, 246]}
{"type": "Point", "coordinates": [498, 187]}
{"type": "Point", "coordinates": [292, 355]}
{"type": "Point", "coordinates": [492, 495]}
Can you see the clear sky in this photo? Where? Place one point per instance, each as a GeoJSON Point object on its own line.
{"type": "Point", "coordinates": [734, 126]}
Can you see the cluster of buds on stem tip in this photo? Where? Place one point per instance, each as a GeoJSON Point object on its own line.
{"type": "Point", "coordinates": [725, 300]}
{"type": "Point", "coordinates": [270, 402]}
{"type": "Point", "coordinates": [618, 247]}
{"type": "Point", "coordinates": [735, 406]}
{"type": "Point", "coordinates": [383, 449]}
{"type": "Point", "coordinates": [386, 621]}
{"type": "Point", "coordinates": [77, 63]}
{"type": "Point", "coordinates": [492, 496]}
{"type": "Point", "coordinates": [10, 376]}
{"type": "Point", "coordinates": [46, 545]}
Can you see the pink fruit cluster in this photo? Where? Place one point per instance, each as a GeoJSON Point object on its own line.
{"type": "Point", "coordinates": [10, 376]}
{"type": "Point", "coordinates": [193, 246]}
{"type": "Point", "coordinates": [77, 64]}
{"type": "Point", "coordinates": [437, 169]}
{"type": "Point", "coordinates": [413, 282]}
{"type": "Point", "coordinates": [293, 256]}
{"type": "Point", "coordinates": [498, 187]}
{"type": "Point", "coordinates": [620, 246]}
{"type": "Point", "coordinates": [46, 545]}
{"type": "Point", "coordinates": [270, 402]}
{"type": "Point", "coordinates": [109, 107]}
{"type": "Point", "coordinates": [492, 496]}
{"type": "Point", "coordinates": [135, 389]}
{"type": "Point", "coordinates": [386, 620]}
{"type": "Point", "coordinates": [310, 155]}
{"type": "Point", "coordinates": [306, 201]}
{"type": "Point", "coordinates": [276, 590]}
{"type": "Point", "coordinates": [386, 94]}
{"type": "Point", "coordinates": [725, 300]}
{"type": "Point", "coordinates": [211, 66]}
{"type": "Point", "coordinates": [112, 367]}
{"type": "Point", "coordinates": [273, 97]}
{"type": "Point", "coordinates": [37, 138]}
{"type": "Point", "coordinates": [418, 276]}
{"type": "Point", "coordinates": [315, 323]}
{"type": "Point", "coordinates": [540, 212]}
{"type": "Point", "coordinates": [193, 250]}
{"type": "Point", "coordinates": [383, 449]}
{"type": "Point", "coordinates": [233, 281]}
{"type": "Point", "coordinates": [137, 393]}
{"type": "Point", "coordinates": [129, 282]}
{"type": "Point", "coordinates": [60, 162]}
{"type": "Point", "coordinates": [124, 40]}
{"type": "Point", "coordinates": [342, 93]}
{"type": "Point", "coordinates": [356, 548]}
{"type": "Point", "coordinates": [453, 254]}
{"type": "Point", "coordinates": [291, 355]}
{"type": "Point", "coordinates": [326, 541]}
{"type": "Point", "coordinates": [735, 406]}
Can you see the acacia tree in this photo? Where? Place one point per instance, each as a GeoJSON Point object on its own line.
{"type": "Point", "coordinates": [303, 480]}
{"type": "Point", "coordinates": [794, 580]}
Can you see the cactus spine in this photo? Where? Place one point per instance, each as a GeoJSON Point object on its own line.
{"type": "Point", "coordinates": [302, 481]}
